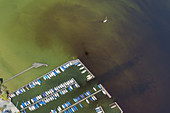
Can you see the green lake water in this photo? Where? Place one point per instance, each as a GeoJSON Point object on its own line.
{"type": "Point", "coordinates": [128, 54]}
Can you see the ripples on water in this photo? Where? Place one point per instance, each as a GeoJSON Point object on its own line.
{"type": "Point", "coordinates": [128, 54]}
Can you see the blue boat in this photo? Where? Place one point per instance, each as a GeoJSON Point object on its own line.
{"type": "Point", "coordinates": [82, 96]}
{"type": "Point", "coordinates": [69, 88]}
{"type": "Point", "coordinates": [99, 86]}
{"type": "Point", "coordinates": [62, 67]}
{"type": "Point", "coordinates": [74, 85]}
{"type": "Point", "coordinates": [23, 105]}
{"type": "Point", "coordinates": [91, 99]}
{"type": "Point", "coordinates": [55, 72]}
{"type": "Point", "coordinates": [65, 66]}
{"type": "Point", "coordinates": [40, 102]}
{"type": "Point", "coordinates": [45, 94]}
{"type": "Point", "coordinates": [70, 64]}
{"type": "Point", "coordinates": [75, 107]}
{"type": "Point", "coordinates": [80, 105]}
{"type": "Point", "coordinates": [75, 100]}
{"type": "Point", "coordinates": [89, 92]}
{"type": "Point", "coordinates": [97, 110]}
{"type": "Point", "coordinates": [28, 86]}
{"type": "Point", "coordinates": [86, 94]}
{"type": "Point", "coordinates": [37, 105]}
{"type": "Point", "coordinates": [78, 98]}
{"type": "Point", "coordinates": [76, 63]}
{"type": "Point", "coordinates": [32, 85]}
{"type": "Point", "coordinates": [60, 92]}
{"type": "Point", "coordinates": [71, 110]}
{"type": "Point", "coordinates": [34, 99]}
{"type": "Point", "coordinates": [69, 103]}
{"type": "Point", "coordinates": [43, 102]}
{"type": "Point", "coordinates": [20, 91]}
{"type": "Point", "coordinates": [46, 77]}
{"type": "Point", "coordinates": [53, 89]}
{"type": "Point", "coordinates": [39, 80]}
{"type": "Point", "coordinates": [64, 105]}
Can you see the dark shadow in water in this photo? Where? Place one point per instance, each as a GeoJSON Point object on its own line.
{"type": "Point", "coordinates": [1, 80]}
{"type": "Point", "coordinates": [136, 89]}
{"type": "Point", "coordinates": [86, 53]}
{"type": "Point", "coordinates": [115, 71]}
{"type": "Point", "coordinates": [141, 88]}
{"type": "Point", "coordinates": [7, 92]}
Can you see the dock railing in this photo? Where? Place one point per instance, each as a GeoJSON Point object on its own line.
{"type": "Point", "coordinates": [119, 107]}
